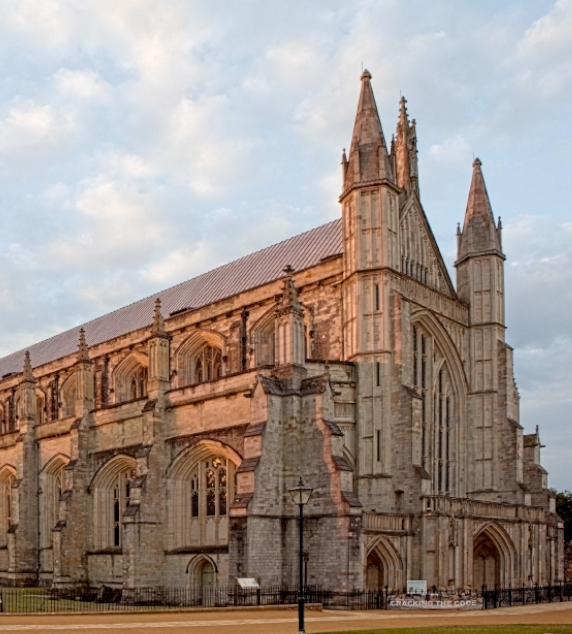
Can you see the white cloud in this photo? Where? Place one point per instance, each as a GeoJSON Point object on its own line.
{"type": "Point", "coordinates": [31, 134]}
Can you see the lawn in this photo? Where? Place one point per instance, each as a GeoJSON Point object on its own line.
{"type": "Point", "coordinates": [474, 629]}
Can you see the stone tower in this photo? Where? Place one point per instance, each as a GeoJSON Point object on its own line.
{"type": "Point", "coordinates": [480, 284]}
{"type": "Point", "coordinates": [371, 251]}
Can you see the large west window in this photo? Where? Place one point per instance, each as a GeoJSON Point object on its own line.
{"type": "Point", "coordinates": [432, 380]}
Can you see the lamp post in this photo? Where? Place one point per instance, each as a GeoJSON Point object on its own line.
{"type": "Point", "coordinates": [301, 495]}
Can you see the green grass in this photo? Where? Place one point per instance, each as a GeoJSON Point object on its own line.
{"type": "Point", "coordinates": [474, 629]}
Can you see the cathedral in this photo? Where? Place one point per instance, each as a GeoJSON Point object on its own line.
{"type": "Point", "coordinates": [156, 445]}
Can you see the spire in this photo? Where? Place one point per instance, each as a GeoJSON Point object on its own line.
{"type": "Point", "coordinates": [27, 377]}
{"type": "Point", "coordinates": [368, 159]}
{"type": "Point", "coordinates": [479, 233]}
{"type": "Point", "coordinates": [405, 150]}
{"type": "Point", "coordinates": [158, 328]}
{"type": "Point", "coordinates": [82, 353]}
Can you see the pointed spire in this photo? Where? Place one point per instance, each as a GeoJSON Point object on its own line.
{"type": "Point", "coordinates": [290, 299]}
{"type": "Point", "coordinates": [368, 159]}
{"type": "Point", "coordinates": [83, 351]}
{"type": "Point", "coordinates": [27, 377]}
{"type": "Point", "coordinates": [158, 328]}
{"type": "Point", "coordinates": [480, 233]}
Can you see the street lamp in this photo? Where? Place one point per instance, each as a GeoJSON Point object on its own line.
{"type": "Point", "coordinates": [301, 495]}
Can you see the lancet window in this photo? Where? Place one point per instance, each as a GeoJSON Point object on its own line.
{"type": "Point", "coordinates": [6, 503]}
{"type": "Point", "coordinates": [69, 396]}
{"type": "Point", "coordinates": [8, 415]}
{"type": "Point", "coordinates": [432, 381]}
{"type": "Point", "coordinates": [52, 486]}
{"type": "Point", "coordinates": [112, 493]}
{"type": "Point", "coordinates": [199, 501]}
{"type": "Point", "coordinates": [263, 340]}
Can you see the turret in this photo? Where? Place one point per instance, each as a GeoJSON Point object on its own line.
{"type": "Point", "coordinates": [480, 283]}
{"type": "Point", "coordinates": [480, 258]}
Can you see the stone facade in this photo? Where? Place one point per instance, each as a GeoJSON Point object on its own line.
{"type": "Point", "coordinates": [162, 454]}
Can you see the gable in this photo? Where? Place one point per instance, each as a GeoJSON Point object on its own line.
{"type": "Point", "coordinates": [420, 255]}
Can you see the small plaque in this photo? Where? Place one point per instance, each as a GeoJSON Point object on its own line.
{"type": "Point", "coordinates": [416, 586]}
{"type": "Point", "coordinates": [248, 582]}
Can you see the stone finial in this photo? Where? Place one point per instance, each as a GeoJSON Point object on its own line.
{"type": "Point", "coordinates": [83, 351]}
{"type": "Point", "coordinates": [365, 75]}
{"type": "Point", "coordinates": [158, 327]}
{"type": "Point", "coordinates": [28, 376]}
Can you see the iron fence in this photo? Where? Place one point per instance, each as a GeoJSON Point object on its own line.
{"type": "Point", "coordinates": [506, 597]}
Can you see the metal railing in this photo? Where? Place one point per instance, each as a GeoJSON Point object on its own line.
{"type": "Point", "coordinates": [506, 597]}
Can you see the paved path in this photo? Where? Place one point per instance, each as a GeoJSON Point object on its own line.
{"type": "Point", "coordinates": [285, 621]}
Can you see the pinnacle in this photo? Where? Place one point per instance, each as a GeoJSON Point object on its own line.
{"type": "Point", "coordinates": [28, 376]}
{"type": "Point", "coordinates": [158, 327]}
{"type": "Point", "coordinates": [366, 75]}
{"type": "Point", "coordinates": [83, 352]}
{"type": "Point", "coordinates": [289, 292]}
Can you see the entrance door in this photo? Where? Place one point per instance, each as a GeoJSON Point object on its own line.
{"type": "Point", "coordinates": [485, 563]}
{"type": "Point", "coordinates": [208, 584]}
{"type": "Point", "coordinates": [374, 573]}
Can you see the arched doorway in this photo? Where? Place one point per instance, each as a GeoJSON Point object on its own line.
{"type": "Point", "coordinates": [486, 562]}
{"type": "Point", "coordinates": [374, 572]}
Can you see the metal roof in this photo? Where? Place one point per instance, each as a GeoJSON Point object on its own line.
{"type": "Point", "coordinates": [253, 270]}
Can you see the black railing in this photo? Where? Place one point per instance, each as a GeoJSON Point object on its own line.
{"type": "Point", "coordinates": [525, 595]}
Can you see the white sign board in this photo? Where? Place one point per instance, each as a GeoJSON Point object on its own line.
{"type": "Point", "coordinates": [248, 582]}
{"type": "Point", "coordinates": [416, 586]}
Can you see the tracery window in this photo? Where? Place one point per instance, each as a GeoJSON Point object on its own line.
{"type": "Point", "coordinates": [112, 493]}
{"type": "Point", "coordinates": [130, 380]}
{"type": "Point", "coordinates": [198, 502]}
{"type": "Point", "coordinates": [6, 503]}
{"type": "Point", "coordinates": [208, 364]}
{"type": "Point", "coordinates": [431, 379]}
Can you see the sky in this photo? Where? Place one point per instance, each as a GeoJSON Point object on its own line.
{"type": "Point", "coordinates": [143, 142]}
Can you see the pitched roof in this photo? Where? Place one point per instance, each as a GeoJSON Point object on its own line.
{"type": "Point", "coordinates": [301, 252]}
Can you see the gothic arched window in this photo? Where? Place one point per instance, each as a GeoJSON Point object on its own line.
{"type": "Point", "coordinates": [69, 396]}
{"type": "Point", "coordinates": [112, 493]}
{"type": "Point", "coordinates": [198, 502]}
{"type": "Point", "coordinates": [52, 486]}
{"type": "Point", "coordinates": [432, 380]}
{"type": "Point", "coordinates": [130, 379]}
{"type": "Point", "coordinates": [6, 503]}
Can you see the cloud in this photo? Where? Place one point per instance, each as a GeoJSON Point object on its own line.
{"type": "Point", "coordinates": [31, 134]}
{"type": "Point", "coordinates": [143, 142]}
